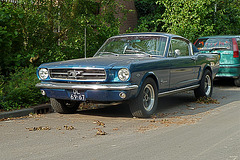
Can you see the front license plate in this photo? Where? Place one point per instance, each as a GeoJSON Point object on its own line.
{"type": "Point", "coordinates": [77, 95]}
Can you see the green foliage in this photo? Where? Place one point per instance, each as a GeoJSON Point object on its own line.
{"type": "Point", "coordinates": [188, 18]}
{"type": "Point", "coordinates": [10, 37]}
{"type": "Point", "coordinates": [1, 85]}
{"type": "Point", "coordinates": [99, 25]}
{"type": "Point", "coordinates": [149, 13]}
{"type": "Point", "coordinates": [227, 17]}
{"type": "Point", "coordinates": [20, 91]}
{"type": "Point", "coordinates": [37, 31]}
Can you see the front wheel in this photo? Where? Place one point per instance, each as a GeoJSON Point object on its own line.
{"type": "Point", "coordinates": [237, 81]}
{"type": "Point", "coordinates": [206, 85]}
{"type": "Point", "coordinates": [64, 106]}
{"type": "Point", "coordinates": [145, 104]}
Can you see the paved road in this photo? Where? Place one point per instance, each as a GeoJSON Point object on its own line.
{"type": "Point", "coordinates": [181, 130]}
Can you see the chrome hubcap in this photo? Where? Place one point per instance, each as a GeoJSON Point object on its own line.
{"type": "Point", "coordinates": [208, 85]}
{"type": "Point", "coordinates": [148, 97]}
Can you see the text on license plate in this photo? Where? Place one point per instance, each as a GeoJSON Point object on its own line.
{"type": "Point", "coordinates": [77, 95]}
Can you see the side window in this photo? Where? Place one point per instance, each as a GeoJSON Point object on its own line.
{"type": "Point", "coordinates": [180, 47]}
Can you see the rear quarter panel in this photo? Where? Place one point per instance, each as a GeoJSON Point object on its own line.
{"type": "Point", "coordinates": [208, 61]}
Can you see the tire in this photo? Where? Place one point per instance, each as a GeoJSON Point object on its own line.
{"type": "Point", "coordinates": [145, 104]}
{"type": "Point", "coordinates": [64, 106]}
{"type": "Point", "coordinates": [206, 85]}
{"type": "Point", "coordinates": [237, 82]}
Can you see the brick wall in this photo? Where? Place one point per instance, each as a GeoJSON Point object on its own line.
{"type": "Point", "coordinates": [131, 21]}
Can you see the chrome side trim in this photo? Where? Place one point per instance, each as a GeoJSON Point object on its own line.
{"type": "Point", "coordinates": [177, 90]}
{"type": "Point", "coordinates": [87, 86]}
{"type": "Point", "coordinates": [230, 66]}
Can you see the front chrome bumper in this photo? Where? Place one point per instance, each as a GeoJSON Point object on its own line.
{"type": "Point", "coordinates": [122, 87]}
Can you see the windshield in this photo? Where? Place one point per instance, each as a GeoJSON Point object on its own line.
{"type": "Point", "coordinates": [209, 43]}
{"type": "Point", "coordinates": [146, 45]}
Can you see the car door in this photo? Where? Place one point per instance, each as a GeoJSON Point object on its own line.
{"type": "Point", "coordinates": [183, 63]}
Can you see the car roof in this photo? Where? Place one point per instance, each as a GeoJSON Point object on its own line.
{"type": "Point", "coordinates": [150, 34]}
{"type": "Point", "coordinates": [221, 36]}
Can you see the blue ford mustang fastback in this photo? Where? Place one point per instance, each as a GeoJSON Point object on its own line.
{"type": "Point", "coordinates": [135, 68]}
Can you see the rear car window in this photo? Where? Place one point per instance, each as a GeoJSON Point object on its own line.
{"type": "Point", "coordinates": [238, 42]}
{"type": "Point", "coordinates": [207, 43]}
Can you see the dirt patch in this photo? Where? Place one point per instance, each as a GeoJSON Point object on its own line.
{"type": "Point", "coordinates": [207, 100]}
{"type": "Point", "coordinates": [35, 116]}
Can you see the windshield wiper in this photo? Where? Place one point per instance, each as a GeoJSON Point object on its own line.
{"type": "Point", "coordinates": [213, 49]}
{"type": "Point", "coordinates": [138, 51]}
{"type": "Point", "coordinates": [112, 53]}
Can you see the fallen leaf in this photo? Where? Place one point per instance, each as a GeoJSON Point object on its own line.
{"type": "Point", "coordinates": [207, 100]}
{"type": "Point", "coordinates": [100, 132]}
{"type": "Point", "coordinates": [99, 123]}
{"type": "Point", "coordinates": [68, 127]}
{"type": "Point", "coordinates": [153, 120]}
{"type": "Point", "coordinates": [38, 128]}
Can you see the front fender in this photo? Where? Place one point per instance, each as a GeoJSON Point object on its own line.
{"type": "Point", "coordinates": [144, 77]}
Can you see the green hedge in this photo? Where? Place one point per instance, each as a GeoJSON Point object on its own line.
{"type": "Point", "coordinates": [189, 18]}
{"type": "Point", "coordinates": [19, 90]}
{"type": "Point", "coordinates": [33, 32]}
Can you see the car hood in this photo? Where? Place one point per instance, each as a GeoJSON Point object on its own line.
{"type": "Point", "coordinates": [98, 62]}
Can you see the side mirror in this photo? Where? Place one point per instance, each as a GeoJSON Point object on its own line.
{"type": "Point", "coordinates": [177, 52]}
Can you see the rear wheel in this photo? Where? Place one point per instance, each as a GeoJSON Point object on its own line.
{"type": "Point", "coordinates": [237, 81]}
{"type": "Point", "coordinates": [64, 106]}
{"type": "Point", "coordinates": [206, 85]}
{"type": "Point", "coordinates": [145, 104]}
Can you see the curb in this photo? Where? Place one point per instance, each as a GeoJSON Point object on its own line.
{"type": "Point", "coordinates": [40, 109]}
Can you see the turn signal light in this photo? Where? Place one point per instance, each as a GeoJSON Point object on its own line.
{"type": "Point", "coordinates": [235, 48]}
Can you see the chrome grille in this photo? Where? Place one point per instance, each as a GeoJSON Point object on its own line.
{"type": "Point", "coordinates": [78, 74]}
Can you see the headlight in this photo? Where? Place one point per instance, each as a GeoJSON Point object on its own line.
{"type": "Point", "coordinates": [123, 74]}
{"type": "Point", "coordinates": [43, 73]}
